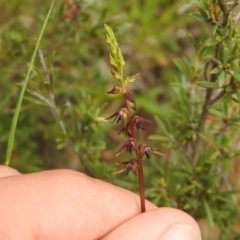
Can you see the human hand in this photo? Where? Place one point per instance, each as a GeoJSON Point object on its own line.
{"type": "Point", "coordinates": [65, 204]}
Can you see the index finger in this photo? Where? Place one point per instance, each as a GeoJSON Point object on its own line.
{"type": "Point", "coordinates": [63, 204]}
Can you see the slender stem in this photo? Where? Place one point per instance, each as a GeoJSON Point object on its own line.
{"type": "Point", "coordinates": [219, 96]}
{"type": "Point", "coordinates": [140, 167]}
{"type": "Point", "coordinates": [227, 11]}
{"type": "Point", "coordinates": [197, 145]}
{"type": "Point", "coordinates": [52, 105]}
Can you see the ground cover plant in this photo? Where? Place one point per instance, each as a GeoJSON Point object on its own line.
{"type": "Point", "coordinates": [187, 56]}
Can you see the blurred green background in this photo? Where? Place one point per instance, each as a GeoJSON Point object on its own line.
{"type": "Point", "coordinates": [74, 44]}
{"type": "Point", "coordinates": [151, 34]}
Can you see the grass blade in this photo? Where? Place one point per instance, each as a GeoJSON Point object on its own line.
{"type": "Point", "coordinates": [20, 99]}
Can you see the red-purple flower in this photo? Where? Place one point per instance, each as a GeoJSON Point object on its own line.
{"type": "Point", "coordinates": [139, 122]}
{"type": "Point", "coordinates": [145, 149]}
{"type": "Point", "coordinates": [130, 146]}
{"type": "Point", "coordinates": [126, 129]}
{"type": "Point", "coordinates": [119, 116]}
{"type": "Point", "coordinates": [131, 165]}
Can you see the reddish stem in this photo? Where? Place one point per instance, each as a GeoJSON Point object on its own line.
{"type": "Point", "coordinates": [140, 167]}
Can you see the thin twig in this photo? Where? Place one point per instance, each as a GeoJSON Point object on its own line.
{"type": "Point", "coordinates": [219, 96]}
{"type": "Point", "coordinates": [227, 11]}
{"type": "Point", "coordinates": [235, 4]}
{"type": "Point", "coordinates": [39, 96]}
{"type": "Point", "coordinates": [54, 110]}
{"type": "Point", "coordinates": [236, 17]}
{"type": "Point", "coordinates": [52, 105]}
{"type": "Point", "coordinates": [44, 66]}
{"type": "Point", "coordinates": [197, 144]}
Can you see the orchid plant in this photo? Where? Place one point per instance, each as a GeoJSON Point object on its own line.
{"type": "Point", "coordinates": [131, 123]}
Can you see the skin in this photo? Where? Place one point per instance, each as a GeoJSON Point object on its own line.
{"type": "Point", "coordinates": [65, 204]}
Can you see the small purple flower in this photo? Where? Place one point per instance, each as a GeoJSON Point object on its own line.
{"type": "Point", "coordinates": [127, 130]}
{"type": "Point", "coordinates": [145, 149]}
{"type": "Point", "coordinates": [139, 122]}
{"type": "Point", "coordinates": [119, 116]}
{"type": "Point", "coordinates": [130, 146]}
{"type": "Point", "coordinates": [131, 165]}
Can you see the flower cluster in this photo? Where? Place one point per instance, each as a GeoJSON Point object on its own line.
{"type": "Point", "coordinates": [131, 123]}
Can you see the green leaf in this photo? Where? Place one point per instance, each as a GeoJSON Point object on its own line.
{"type": "Point", "coordinates": [74, 122]}
{"type": "Point", "coordinates": [236, 73]}
{"type": "Point", "coordinates": [131, 79]}
{"type": "Point", "coordinates": [225, 106]}
{"type": "Point", "coordinates": [207, 84]}
{"type": "Point", "coordinates": [213, 156]}
{"type": "Point", "coordinates": [221, 32]}
{"type": "Point", "coordinates": [186, 189]}
{"type": "Point", "coordinates": [203, 13]}
{"type": "Point", "coordinates": [221, 78]}
{"type": "Point", "coordinates": [200, 5]}
{"type": "Point", "coordinates": [77, 146]}
{"type": "Point", "coordinates": [162, 126]}
{"type": "Point", "coordinates": [230, 39]}
{"type": "Point", "coordinates": [61, 143]}
{"type": "Point", "coordinates": [219, 38]}
{"type": "Point", "coordinates": [186, 166]}
{"type": "Point", "coordinates": [38, 72]}
{"type": "Point", "coordinates": [238, 95]}
{"type": "Point", "coordinates": [224, 54]}
{"type": "Point", "coordinates": [227, 165]}
{"type": "Point", "coordinates": [35, 100]}
{"type": "Point", "coordinates": [217, 69]}
{"type": "Point", "coordinates": [209, 213]}
{"type": "Point", "coordinates": [198, 17]}
{"type": "Point", "coordinates": [158, 138]}
{"type": "Point", "coordinates": [217, 113]}
{"type": "Point", "coordinates": [179, 65]}
{"type": "Point", "coordinates": [211, 42]}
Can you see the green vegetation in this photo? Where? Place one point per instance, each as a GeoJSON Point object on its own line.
{"type": "Point", "coordinates": [187, 56]}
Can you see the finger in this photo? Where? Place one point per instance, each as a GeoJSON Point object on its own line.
{"type": "Point", "coordinates": [6, 171]}
{"type": "Point", "coordinates": [158, 224]}
{"type": "Point", "coordinates": [63, 204]}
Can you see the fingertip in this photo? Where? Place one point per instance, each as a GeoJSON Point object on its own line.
{"type": "Point", "coordinates": [158, 224]}
{"type": "Point", "coordinates": [181, 227]}
{"type": "Point", "coordinates": [181, 232]}
{"type": "Point", "coordinates": [6, 171]}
